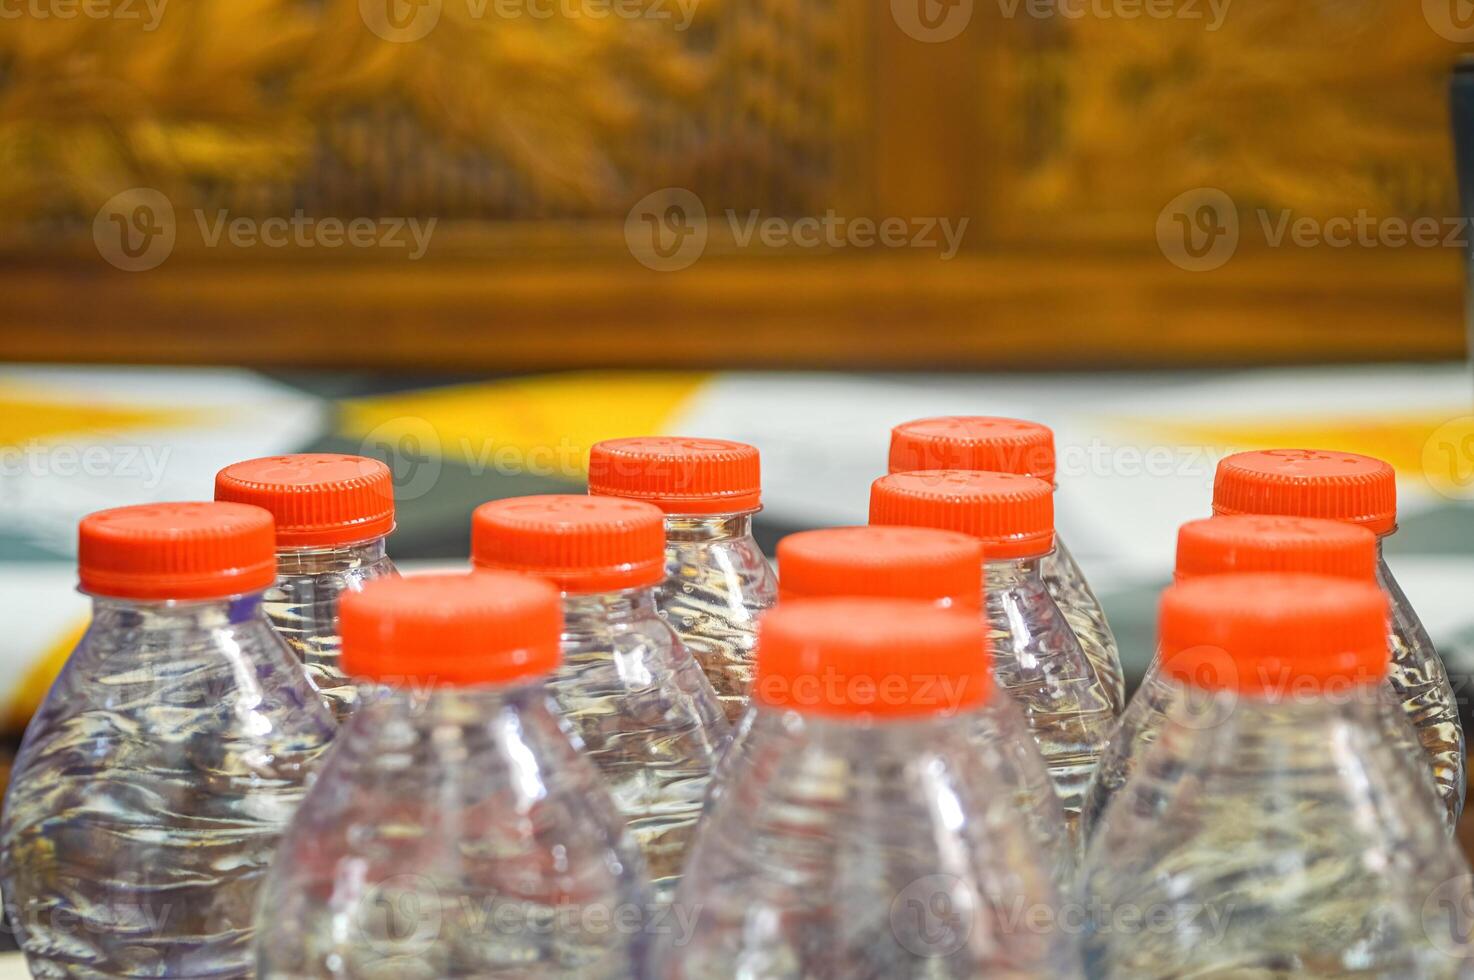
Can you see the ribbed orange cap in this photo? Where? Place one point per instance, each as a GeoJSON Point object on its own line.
{"type": "Point", "coordinates": [678, 475]}
{"type": "Point", "coordinates": [581, 543]}
{"type": "Point", "coordinates": [974, 442]}
{"type": "Point", "coordinates": [479, 628]}
{"type": "Point", "coordinates": [176, 551]}
{"type": "Point", "coordinates": [1268, 633]}
{"type": "Point", "coordinates": [1309, 483]}
{"type": "Point", "coordinates": [1251, 543]}
{"type": "Point", "coordinates": [318, 499]}
{"type": "Point", "coordinates": [871, 658]}
{"type": "Point", "coordinates": [942, 567]}
{"type": "Point", "coordinates": [1012, 515]}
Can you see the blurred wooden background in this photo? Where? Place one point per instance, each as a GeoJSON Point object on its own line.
{"type": "Point", "coordinates": [1059, 139]}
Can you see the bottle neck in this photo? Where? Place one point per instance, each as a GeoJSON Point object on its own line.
{"type": "Point", "coordinates": [335, 558]}
{"type": "Point", "coordinates": [586, 611]}
{"type": "Point", "coordinates": [707, 527]}
{"type": "Point", "coordinates": [430, 705]}
{"type": "Point", "coordinates": [174, 615]}
{"type": "Point", "coordinates": [1013, 573]}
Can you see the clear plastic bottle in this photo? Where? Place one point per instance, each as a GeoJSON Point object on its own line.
{"type": "Point", "coordinates": [862, 836]}
{"type": "Point", "coordinates": [332, 513]}
{"type": "Point", "coordinates": [455, 832]}
{"type": "Point", "coordinates": [1360, 490]}
{"type": "Point", "coordinates": [1236, 545]}
{"type": "Point", "coordinates": [717, 580]}
{"type": "Point", "coordinates": [945, 569]}
{"type": "Point", "coordinates": [1003, 445]}
{"type": "Point", "coordinates": [156, 778]}
{"type": "Point", "coordinates": [1274, 832]}
{"type": "Point", "coordinates": [643, 710]}
{"type": "Point", "coordinates": [1037, 659]}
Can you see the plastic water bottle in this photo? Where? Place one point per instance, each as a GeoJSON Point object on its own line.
{"type": "Point", "coordinates": [1002, 445]}
{"type": "Point", "coordinates": [332, 513]}
{"type": "Point", "coordinates": [1037, 659]}
{"type": "Point", "coordinates": [643, 710]}
{"type": "Point", "coordinates": [155, 780]}
{"type": "Point", "coordinates": [862, 835]}
{"type": "Point", "coordinates": [716, 578]}
{"type": "Point", "coordinates": [1360, 490]}
{"type": "Point", "coordinates": [945, 569]}
{"type": "Point", "coordinates": [1272, 831]}
{"type": "Point", "coordinates": [1237, 545]}
{"type": "Point", "coordinates": [455, 832]}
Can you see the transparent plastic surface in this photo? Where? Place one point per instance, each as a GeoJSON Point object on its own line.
{"type": "Point", "coordinates": [1039, 663]}
{"type": "Point", "coordinates": [303, 606]}
{"type": "Point", "coordinates": [1072, 593]}
{"type": "Point", "coordinates": [1005, 749]}
{"type": "Point", "coordinates": [1420, 683]}
{"type": "Point", "coordinates": [152, 788]}
{"type": "Point", "coordinates": [1275, 839]}
{"type": "Point", "coordinates": [646, 716]}
{"type": "Point", "coordinates": [1147, 715]}
{"type": "Point", "coordinates": [855, 852]}
{"type": "Point", "coordinates": [455, 834]}
{"type": "Point", "coordinates": [717, 582]}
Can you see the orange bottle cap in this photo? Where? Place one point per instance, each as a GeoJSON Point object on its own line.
{"type": "Point", "coordinates": [318, 499]}
{"type": "Point", "coordinates": [974, 442]}
{"type": "Point", "coordinates": [678, 475]}
{"type": "Point", "coordinates": [183, 551]}
{"type": "Point", "coordinates": [1274, 633]}
{"type": "Point", "coordinates": [1012, 515]}
{"type": "Point", "coordinates": [478, 628]}
{"type": "Point", "coordinates": [887, 562]}
{"type": "Point", "coordinates": [1251, 543]}
{"type": "Point", "coordinates": [1309, 483]}
{"type": "Point", "coordinates": [581, 543]}
{"type": "Point", "coordinates": [871, 658]}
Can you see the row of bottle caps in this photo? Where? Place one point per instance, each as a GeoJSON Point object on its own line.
{"type": "Point", "coordinates": [869, 629]}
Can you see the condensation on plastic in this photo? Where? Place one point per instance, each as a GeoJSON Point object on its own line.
{"type": "Point", "coordinates": [1275, 838]}
{"type": "Point", "coordinates": [452, 835]}
{"type": "Point", "coordinates": [864, 852]}
{"type": "Point", "coordinates": [717, 583]}
{"type": "Point", "coordinates": [151, 790]}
